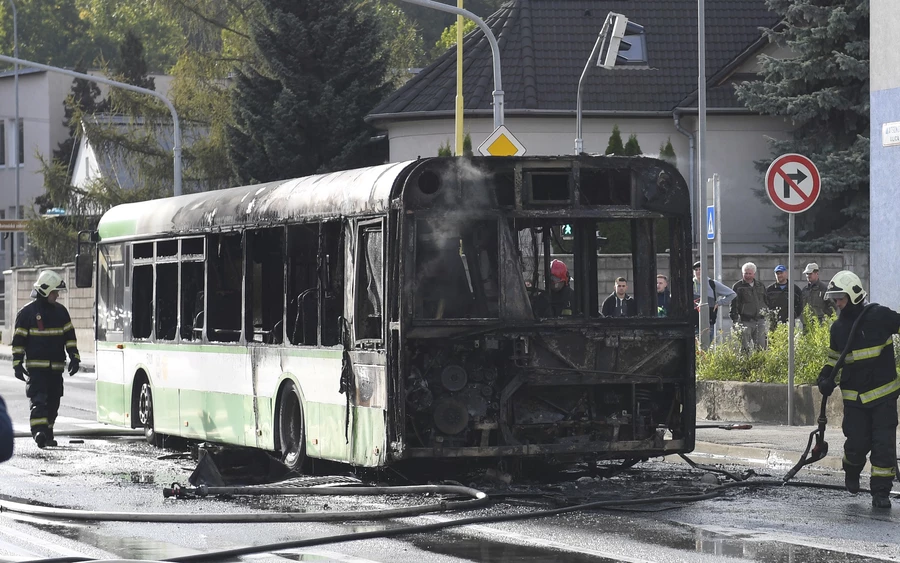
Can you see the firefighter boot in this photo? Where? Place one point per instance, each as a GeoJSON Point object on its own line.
{"type": "Point", "coordinates": [40, 439]}
{"type": "Point", "coordinates": [50, 440]}
{"type": "Point", "coordinates": [851, 482]}
{"type": "Point", "coordinates": [881, 500]}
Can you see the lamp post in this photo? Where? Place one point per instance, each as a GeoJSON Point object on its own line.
{"type": "Point", "coordinates": [176, 149]}
{"type": "Point", "coordinates": [620, 29]}
{"type": "Point", "coordinates": [495, 50]}
{"type": "Point", "coordinates": [15, 144]}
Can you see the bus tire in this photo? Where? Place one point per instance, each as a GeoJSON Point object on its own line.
{"type": "Point", "coordinates": [145, 413]}
{"type": "Point", "coordinates": [291, 430]}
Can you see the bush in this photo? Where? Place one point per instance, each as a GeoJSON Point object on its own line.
{"type": "Point", "coordinates": [725, 362]}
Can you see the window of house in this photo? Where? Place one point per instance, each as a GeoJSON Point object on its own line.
{"type": "Point", "coordinates": [20, 144]}
{"type": "Point", "coordinates": [2, 143]}
{"type": "Point", "coordinates": [369, 282]}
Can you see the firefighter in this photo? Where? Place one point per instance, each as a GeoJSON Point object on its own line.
{"type": "Point", "coordinates": [869, 385]}
{"type": "Point", "coordinates": [43, 335]}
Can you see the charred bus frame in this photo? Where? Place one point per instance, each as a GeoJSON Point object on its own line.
{"type": "Point", "coordinates": [389, 313]}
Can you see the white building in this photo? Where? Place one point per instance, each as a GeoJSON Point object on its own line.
{"type": "Point", "coordinates": [544, 47]}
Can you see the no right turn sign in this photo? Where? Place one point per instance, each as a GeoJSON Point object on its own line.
{"type": "Point", "coordinates": [793, 183]}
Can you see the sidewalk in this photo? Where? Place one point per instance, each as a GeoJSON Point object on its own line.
{"type": "Point", "coordinates": [87, 356]}
{"type": "Point", "coordinates": [776, 447]}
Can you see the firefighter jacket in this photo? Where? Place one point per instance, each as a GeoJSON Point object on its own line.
{"type": "Point", "coordinates": [44, 333]}
{"type": "Point", "coordinates": [814, 296]}
{"type": "Point", "coordinates": [750, 302]}
{"type": "Point", "coordinates": [869, 375]}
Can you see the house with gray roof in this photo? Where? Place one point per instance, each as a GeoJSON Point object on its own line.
{"type": "Point", "coordinates": [544, 45]}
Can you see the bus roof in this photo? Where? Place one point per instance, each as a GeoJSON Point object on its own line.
{"type": "Point", "coordinates": [350, 192]}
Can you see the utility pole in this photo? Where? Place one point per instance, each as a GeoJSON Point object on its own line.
{"type": "Point", "coordinates": [14, 251]}
{"type": "Point", "coordinates": [703, 309]}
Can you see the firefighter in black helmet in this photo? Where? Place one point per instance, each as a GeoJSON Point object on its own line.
{"type": "Point", "coordinates": [43, 335]}
{"type": "Point", "coordinates": [869, 385]}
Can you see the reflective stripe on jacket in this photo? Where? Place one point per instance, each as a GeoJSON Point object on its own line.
{"type": "Point", "coordinates": [44, 334]}
{"type": "Point", "coordinates": [869, 373]}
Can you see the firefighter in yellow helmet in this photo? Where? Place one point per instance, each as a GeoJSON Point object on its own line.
{"type": "Point", "coordinates": [43, 335]}
{"type": "Point", "coordinates": [869, 385]}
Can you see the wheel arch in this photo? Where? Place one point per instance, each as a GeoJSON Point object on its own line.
{"type": "Point", "coordinates": [141, 375]}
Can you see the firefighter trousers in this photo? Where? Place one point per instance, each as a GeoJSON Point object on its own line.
{"type": "Point", "coordinates": [871, 429]}
{"type": "Point", "coordinates": [44, 390]}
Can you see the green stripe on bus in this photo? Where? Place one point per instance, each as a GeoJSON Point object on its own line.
{"type": "Point", "coordinates": [111, 229]}
{"type": "Point", "coordinates": [300, 352]}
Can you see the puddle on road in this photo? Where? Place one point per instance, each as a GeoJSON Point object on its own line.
{"type": "Point", "coordinates": [772, 551]}
{"type": "Point", "coordinates": [487, 551]}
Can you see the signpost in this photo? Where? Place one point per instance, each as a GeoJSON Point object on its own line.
{"type": "Point", "coordinates": [13, 225]}
{"type": "Point", "coordinates": [711, 222]}
{"type": "Point", "coordinates": [501, 143]}
{"type": "Point", "coordinates": [793, 184]}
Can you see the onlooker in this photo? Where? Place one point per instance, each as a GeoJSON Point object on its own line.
{"type": "Point", "coordinates": [749, 309]}
{"type": "Point", "coordinates": [777, 297]}
{"type": "Point", "coordinates": [814, 293]}
{"type": "Point", "coordinates": [6, 433]}
{"type": "Point", "coordinates": [619, 303]}
{"type": "Point", "coordinates": [663, 296]}
{"type": "Point", "coordinates": [719, 294]}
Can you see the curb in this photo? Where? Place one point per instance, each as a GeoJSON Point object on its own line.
{"type": "Point", "coordinates": [85, 367]}
{"type": "Point", "coordinates": [770, 458]}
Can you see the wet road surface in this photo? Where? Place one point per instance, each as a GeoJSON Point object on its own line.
{"type": "Point", "coordinates": [771, 525]}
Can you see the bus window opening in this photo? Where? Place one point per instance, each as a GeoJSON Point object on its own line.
{"type": "Point", "coordinates": [223, 320]}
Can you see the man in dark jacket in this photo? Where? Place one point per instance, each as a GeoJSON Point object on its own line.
{"type": "Point", "coordinates": [43, 335]}
{"type": "Point", "coordinates": [6, 433]}
{"type": "Point", "coordinates": [749, 309]}
{"type": "Point", "coordinates": [663, 296]}
{"type": "Point", "coordinates": [619, 303]}
{"type": "Point", "coordinates": [777, 297]}
{"type": "Point", "coordinates": [869, 385]}
{"type": "Point", "coordinates": [814, 293]}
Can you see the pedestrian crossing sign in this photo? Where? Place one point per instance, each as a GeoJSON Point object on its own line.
{"type": "Point", "coordinates": [711, 222]}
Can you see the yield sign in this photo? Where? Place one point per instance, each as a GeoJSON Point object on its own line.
{"type": "Point", "coordinates": [501, 143]}
{"type": "Point", "coordinates": [793, 183]}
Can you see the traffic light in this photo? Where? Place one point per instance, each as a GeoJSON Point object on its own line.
{"type": "Point", "coordinates": [567, 232]}
{"type": "Point", "coordinates": [627, 44]}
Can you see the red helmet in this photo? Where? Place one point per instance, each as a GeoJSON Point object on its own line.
{"type": "Point", "coordinates": [559, 271]}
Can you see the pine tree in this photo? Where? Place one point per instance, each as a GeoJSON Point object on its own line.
{"type": "Point", "coordinates": [632, 148]}
{"type": "Point", "coordinates": [824, 91]}
{"type": "Point", "coordinates": [301, 111]}
{"type": "Point", "coordinates": [83, 99]}
{"type": "Point", "coordinates": [131, 65]}
{"type": "Point", "coordinates": [667, 152]}
{"type": "Point", "coordinates": [615, 146]}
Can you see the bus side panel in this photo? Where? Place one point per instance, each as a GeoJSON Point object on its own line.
{"type": "Point", "coordinates": [112, 401]}
{"type": "Point", "coordinates": [317, 372]}
{"type": "Point", "coordinates": [211, 401]}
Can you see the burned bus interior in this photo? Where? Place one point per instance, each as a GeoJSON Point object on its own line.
{"type": "Point", "coordinates": [490, 367]}
{"type": "Point", "coordinates": [451, 281]}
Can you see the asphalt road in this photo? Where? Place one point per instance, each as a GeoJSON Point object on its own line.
{"type": "Point", "coordinates": [126, 474]}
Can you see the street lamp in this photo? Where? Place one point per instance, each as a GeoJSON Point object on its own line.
{"type": "Point", "coordinates": [176, 149]}
{"type": "Point", "coordinates": [626, 46]}
{"type": "Point", "coordinates": [15, 143]}
{"type": "Point", "coordinates": [495, 50]}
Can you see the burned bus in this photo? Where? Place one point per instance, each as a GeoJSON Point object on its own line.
{"type": "Point", "coordinates": [396, 312]}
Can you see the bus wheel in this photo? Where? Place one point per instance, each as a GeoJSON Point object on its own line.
{"type": "Point", "coordinates": [291, 433]}
{"type": "Point", "coordinates": [145, 414]}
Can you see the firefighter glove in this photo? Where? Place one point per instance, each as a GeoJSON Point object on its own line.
{"type": "Point", "coordinates": [74, 366]}
{"type": "Point", "coordinates": [21, 373]}
{"type": "Point", "coordinates": [825, 382]}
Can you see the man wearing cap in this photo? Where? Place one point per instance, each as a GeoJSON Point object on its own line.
{"type": "Point", "coordinates": [777, 297]}
{"type": "Point", "coordinates": [814, 293]}
{"type": "Point", "coordinates": [749, 308]}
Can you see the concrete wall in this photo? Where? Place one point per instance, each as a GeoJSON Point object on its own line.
{"type": "Point", "coordinates": [884, 52]}
{"type": "Point", "coordinates": [733, 144]}
{"type": "Point", "coordinates": [79, 301]}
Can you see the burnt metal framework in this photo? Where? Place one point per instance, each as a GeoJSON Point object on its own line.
{"type": "Point", "coordinates": [482, 370]}
{"type": "Point", "coordinates": [459, 333]}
